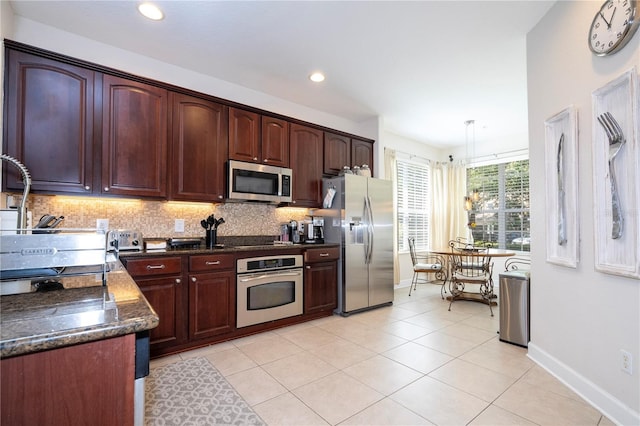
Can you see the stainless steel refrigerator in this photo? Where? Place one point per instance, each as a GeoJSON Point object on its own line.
{"type": "Point", "coordinates": [360, 219]}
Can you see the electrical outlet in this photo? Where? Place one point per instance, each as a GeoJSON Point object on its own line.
{"type": "Point", "coordinates": [627, 362]}
{"type": "Point", "coordinates": [179, 227]}
{"type": "Point", "coordinates": [102, 224]}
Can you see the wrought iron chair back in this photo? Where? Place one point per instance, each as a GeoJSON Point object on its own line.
{"type": "Point", "coordinates": [425, 264]}
{"type": "Point", "coordinates": [517, 264]}
{"type": "Point", "coordinates": [470, 265]}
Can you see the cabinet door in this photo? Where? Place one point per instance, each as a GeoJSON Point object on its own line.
{"type": "Point", "coordinates": [244, 135]}
{"type": "Point", "coordinates": [211, 304]}
{"type": "Point", "coordinates": [49, 124]}
{"type": "Point", "coordinates": [337, 152]}
{"type": "Point", "coordinates": [134, 153]}
{"type": "Point", "coordinates": [320, 287]}
{"type": "Point", "coordinates": [362, 153]}
{"type": "Point", "coordinates": [165, 295]}
{"type": "Point", "coordinates": [275, 142]}
{"type": "Point", "coordinates": [198, 149]}
{"type": "Point", "coordinates": [306, 163]}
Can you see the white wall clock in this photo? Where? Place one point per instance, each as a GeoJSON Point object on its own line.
{"type": "Point", "coordinates": [613, 26]}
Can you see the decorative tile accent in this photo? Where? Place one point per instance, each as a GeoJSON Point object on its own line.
{"type": "Point", "coordinates": [156, 219]}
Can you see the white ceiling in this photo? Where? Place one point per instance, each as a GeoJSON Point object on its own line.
{"type": "Point", "coordinates": [423, 66]}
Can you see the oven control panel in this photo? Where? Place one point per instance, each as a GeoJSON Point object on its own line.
{"type": "Point", "coordinates": [269, 263]}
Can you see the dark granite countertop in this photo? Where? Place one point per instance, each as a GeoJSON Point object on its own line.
{"type": "Point", "coordinates": [34, 322]}
{"type": "Point", "coordinates": [226, 249]}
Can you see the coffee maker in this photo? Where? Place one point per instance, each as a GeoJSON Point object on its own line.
{"type": "Point", "coordinates": [314, 230]}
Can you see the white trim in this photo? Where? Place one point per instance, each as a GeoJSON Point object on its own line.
{"type": "Point", "coordinates": [602, 400]}
{"type": "Point", "coordinates": [502, 157]}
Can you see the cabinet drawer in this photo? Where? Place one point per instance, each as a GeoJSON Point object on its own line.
{"type": "Point", "coordinates": [154, 266]}
{"type": "Point", "coordinates": [321, 254]}
{"type": "Point", "coordinates": [209, 262]}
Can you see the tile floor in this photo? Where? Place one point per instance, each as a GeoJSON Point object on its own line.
{"type": "Point", "coordinates": [414, 363]}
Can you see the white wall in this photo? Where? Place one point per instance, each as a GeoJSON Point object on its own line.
{"type": "Point", "coordinates": [580, 318]}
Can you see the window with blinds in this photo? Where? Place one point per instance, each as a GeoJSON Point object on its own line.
{"type": "Point", "coordinates": [413, 204]}
{"type": "Point", "coordinates": [501, 213]}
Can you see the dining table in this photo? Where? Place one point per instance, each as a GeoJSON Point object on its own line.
{"type": "Point", "coordinates": [475, 252]}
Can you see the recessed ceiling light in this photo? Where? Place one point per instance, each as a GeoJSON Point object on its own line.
{"type": "Point", "coordinates": [151, 11]}
{"type": "Point", "coordinates": [316, 77]}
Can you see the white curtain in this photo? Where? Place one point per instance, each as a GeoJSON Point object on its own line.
{"type": "Point", "coordinates": [390, 173]}
{"type": "Point", "coordinates": [448, 217]}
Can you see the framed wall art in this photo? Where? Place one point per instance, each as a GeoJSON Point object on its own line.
{"type": "Point", "coordinates": [561, 172]}
{"type": "Point", "coordinates": [616, 176]}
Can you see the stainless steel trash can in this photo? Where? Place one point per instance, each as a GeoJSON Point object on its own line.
{"type": "Point", "coordinates": [514, 307]}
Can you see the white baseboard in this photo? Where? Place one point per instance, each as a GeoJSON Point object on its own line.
{"type": "Point", "coordinates": [606, 403]}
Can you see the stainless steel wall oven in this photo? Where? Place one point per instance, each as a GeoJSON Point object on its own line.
{"type": "Point", "coordinates": [268, 288]}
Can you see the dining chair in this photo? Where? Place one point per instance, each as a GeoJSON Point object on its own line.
{"type": "Point", "coordinates": [517, 264]}
{"type": "Point", "coordinates": [428, 263]}
{"type": "Point", "coordinates": [470, 266]}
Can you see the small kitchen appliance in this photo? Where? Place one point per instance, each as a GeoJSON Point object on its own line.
{"type": "Point", "coordinates": [315, 230]}
{"type": "Point", "coordinates": [125, 240]}
{"type": "Point", "coordinates": [41, 262]}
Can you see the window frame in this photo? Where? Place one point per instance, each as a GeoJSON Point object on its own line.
{"type": "Point", "coordinates": [410, 204]}
{"type": "Point", "coordinates": [503, 237]}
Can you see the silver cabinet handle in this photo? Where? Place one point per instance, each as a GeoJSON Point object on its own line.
{"type": "Point", "coordinates": [324, 254]}
{"type": "Point", "coordinates": [87, 188]}
{"type": "Point", "coordinates": [106, 189]}
{"type": "Point", "coordinates": [178, 281]}
{"type": "Point", "coordinates": [217, 262]}
{"type": "Point", "coordinates": [255, 158]}
{"type": "Point", "coordinates": [149, 267]}
{"type": "Point", "coordinates": [193, 279]}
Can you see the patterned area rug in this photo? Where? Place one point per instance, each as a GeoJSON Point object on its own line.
{"type": "Point", "coordinates": [193, 392]}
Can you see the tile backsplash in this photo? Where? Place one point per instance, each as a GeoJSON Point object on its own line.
{"type": "Point", "coordinates": [156, 219]}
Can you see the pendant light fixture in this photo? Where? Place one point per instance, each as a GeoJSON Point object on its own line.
{"type": "Point", "coordinates": [475, 195]}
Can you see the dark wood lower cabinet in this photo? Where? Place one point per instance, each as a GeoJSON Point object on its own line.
{"type": "Point", "coordinates": [195, 295]}
{"type": "Point", "coordinates": [321, 280]}
{"type": "Point", "coordinates": [320, 287]}
{"type": "Point", "coordinates": [212, 301]}
{"type": "Point", "coordinates": [165, 296]}
{"type": "Point", "coordinates": [87, 384]}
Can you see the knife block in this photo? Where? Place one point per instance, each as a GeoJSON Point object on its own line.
{"type": "Point", "coordinates": [211, 238]}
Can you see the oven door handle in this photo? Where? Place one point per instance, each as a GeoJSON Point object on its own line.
{"type": "Point", "coordinates": [260, 277]}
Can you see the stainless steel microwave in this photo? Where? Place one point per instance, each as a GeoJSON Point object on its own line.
{"type": "Point", "coordinates": [259, 182]}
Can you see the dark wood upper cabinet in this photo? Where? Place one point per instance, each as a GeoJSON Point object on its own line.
{"type": "Point", "coordinates": [340, 151]}
{"type": "Point", "coordinates": [275, 141]}
{"type": "Point", "coordinates": [244, 135]}
{"type": "Point", "coordinates": [306, 145]}
{"type": "Point", "coordinates": [49, 124]}
{"type": "Point", "coordinates": [134, 138]}
{"type": "Point", "coordinates": [81, 128]}
{"type": "Point", "coordinates": [198, 149]}
{"type": "Point", "coordinates": [337, 153]}
{"type": "Point", "coordinates": [258, 139]}
{"type": "Point", "coordinates": [362, 153]}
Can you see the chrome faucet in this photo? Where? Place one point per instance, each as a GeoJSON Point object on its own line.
{"type": "Point", "coordinates": [26, 179]}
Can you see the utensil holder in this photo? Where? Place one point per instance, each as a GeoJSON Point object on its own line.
{"type": "Point", "coordinates": [211, 238]}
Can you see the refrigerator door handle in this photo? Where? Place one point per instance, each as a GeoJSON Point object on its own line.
{"type": "Point", "coordinates": [369, 218]}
